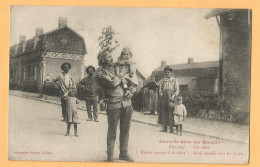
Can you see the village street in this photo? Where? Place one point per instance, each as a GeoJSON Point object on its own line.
{"type": "Point", "coordinates": [36, 133]}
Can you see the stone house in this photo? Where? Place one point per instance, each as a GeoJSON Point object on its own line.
{"type": "Point", "coordinates": [193, 77]}
{"type": "Point", "coordinates": [39, 59]}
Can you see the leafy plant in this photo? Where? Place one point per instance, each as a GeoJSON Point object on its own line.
{"type": "Point", "coordinates": [212, 107]}
{"type": "Point", "coordinates": [108, 38]}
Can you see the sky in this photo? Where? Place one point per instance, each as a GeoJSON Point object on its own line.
{"type": "Point", "coordinates": [153, 34]}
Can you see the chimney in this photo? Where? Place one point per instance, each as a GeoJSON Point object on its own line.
{"type": "Point", "coordinates": [163, 63]}
{"type": "Point", "coordinates": [39, 31]}
{"type": "Point", "coordinates": [62, 22]}
{"type": "Point", "coordinates": [190, 60]}
{"type": "Point", "coordinates": [22, 38]}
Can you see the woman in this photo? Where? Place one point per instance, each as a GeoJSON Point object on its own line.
{"type": "Point", "coordinates": [168, 89]}
{"type": "Point", "coordinates": [153, 95]}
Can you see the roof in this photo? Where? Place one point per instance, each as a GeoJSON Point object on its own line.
{"type": "Point", "coordinates": [216, 12]}
{"type": "Point", "coordinates": [139, 73]}
{"type": "Point", "coordinates": [30, 45]}
{"type": "Point", "coordinates": [196, 65]}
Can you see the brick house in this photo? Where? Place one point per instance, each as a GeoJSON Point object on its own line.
{"type": "Point", "coordinates": [193, 77]}
{"type": "Point", "coordinates": [38, 59]}
{"type": "Point", "coordinates": [235, 52]}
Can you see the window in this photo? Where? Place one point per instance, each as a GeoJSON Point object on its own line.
{"type": "Point", "coordinates": [24, 73]}
{"type": "Point", "coordinates": [35, 72]}
{"type": "Point", "coordinates": [183, 89]}
{"type": "Point", "coordinates": [28, 72]}
{"type": "Point", "coordinates": [32, 72]}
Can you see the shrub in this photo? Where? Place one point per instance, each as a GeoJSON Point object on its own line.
{"type": "Point", "coordinates": [211, 107]}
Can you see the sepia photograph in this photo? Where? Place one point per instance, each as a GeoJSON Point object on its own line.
{"type": "Point", "coordinates": [125, 84]}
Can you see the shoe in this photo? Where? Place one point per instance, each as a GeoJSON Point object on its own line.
{"type": "Point", "coordinates": [63, 120]}
{"type": "Point", "coordinates": [126, 157]}
{"type": "Point", "coordinates": [96, 120]}
{"type": "Point", "coordinates": [67, 134]}
{"type": "Point", "coordinates": [89, 120]}
{"type": "Point", "coordinates": [110, 158]}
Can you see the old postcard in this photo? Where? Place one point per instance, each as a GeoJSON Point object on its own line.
{"type": "Point", "coordinates": [121, 84]}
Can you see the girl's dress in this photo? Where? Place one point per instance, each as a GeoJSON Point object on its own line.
{"type": "Point", "coordinates": [72, 115]}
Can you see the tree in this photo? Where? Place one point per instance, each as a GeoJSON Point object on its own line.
{"type": "Point", "coordinates": [108, 38]}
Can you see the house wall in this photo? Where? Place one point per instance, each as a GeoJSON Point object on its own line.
{"type": "Point", "coordinates": [52, 67]}
{"type": "Point", "coordinates": [25, 72]}
{"type": "Point", "coordinates": [204, 82]}
{"type": "Point", "coordinates": [31, 60]}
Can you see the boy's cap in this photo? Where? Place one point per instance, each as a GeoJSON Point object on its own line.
{"type": "Point", "coordinates": [62, 66]}
{"type": "Point", "coordinates": [102, 53]}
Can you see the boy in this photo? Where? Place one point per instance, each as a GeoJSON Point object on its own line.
{"type": "Point", "coordinates": [179, 114]}
{"type": "Point", "coordinates": [91, 88]}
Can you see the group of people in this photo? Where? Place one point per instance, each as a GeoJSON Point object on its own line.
{"type": "Point", "coordinates": [113, 85]}
{"type": "Point", "coordinates": [165, 99]}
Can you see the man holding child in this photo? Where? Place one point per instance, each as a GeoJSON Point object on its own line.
{"type": "Point", "coordinates": [119, 106]}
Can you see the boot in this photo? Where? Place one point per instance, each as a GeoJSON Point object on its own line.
{"type": "Point", "coordinates": [171, 129]}
{"type": "Point", "coordinates": [152, 112]}
{"type": "Point", "coordinates": [110, 158]}
{"type": "Point", "coordinates": [126, 157]}
{"type": "Point", "coordinates": [67, 133]}
{"type": "Point", "coordinates": [181, 130]}
{"type": "Point", "coordinates": [68, 129]}
{"type": "Point", "coordinates": [76, 130]}
{"type": "Point", "coordinates": [164, 129]}
{"type": "Point", "coordinates": [177, 130]}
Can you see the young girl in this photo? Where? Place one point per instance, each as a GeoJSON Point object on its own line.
{"type": "Point", "coordinates": [126, 65]}
{"type": "Point", "coordinates": [71, 115]}
{"type": "Point", "coordinates": [180, 114]}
